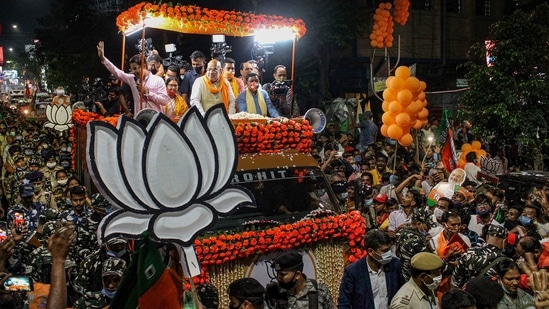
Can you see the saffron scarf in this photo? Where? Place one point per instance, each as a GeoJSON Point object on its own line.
{"type": "Point", "coordinates": [250, 103]}
{"type": "Point", "coordinates": [222, 87]}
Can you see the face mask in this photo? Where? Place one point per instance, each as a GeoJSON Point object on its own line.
{"type": "Point", "coordinates": [525, 221]}
{"type": "Point", "coordinates": [438, 213]}
{"type": "Point", "coordinates": [368, 202]}
{"type": "Point", "coordinates": [320, 192]}
{"type": "Point", "coordinates": [172, 93]}
{"type": "Point", "coordinates": [19, 137]}
{"type": "Point", "coordinates": [108, 293]}
{"type": "Point", "coordinates": [45, 146]}
{"type": "Point", "coordinates": [68, 201]}
{"type": "Point", "coordinates": [65, 164]}
{"type": "Point", "coordinates": [198, 70]}
{"type": "Point", "coordinates": [483, 213]}
{"type": "Point", "coordinates": [37, 189]}
{"type": "Point", "coordinates": [394, 180]}
{"type": "Point", "coordinates": [60, 92]}
{"type": "Point", "coordinates": [117, 254]}
{"type": "Point", "coordinates": [435, 284]}
{"type": "Point", "coordinates": [386, 257]}
{"type": "Point", "coordinates": [29, 152]}
{"type": "Point", "coordinates": [288, 285]}
{"type": "Point", "coordinates": [51, 164]}
{"type": "Point", "coordinates": [62, 182]}
{"type": "Point", "coordinates": [12, 133]}
{"type": "Point", "coordinates": [358, 159]}
{"type": "Point", "coordinates": [344, 195]}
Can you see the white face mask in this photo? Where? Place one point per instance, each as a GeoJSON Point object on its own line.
{"type": "Point", "coordinates": [51, 164]}
{"type": "Point", "coordinates": [438, 213]}
{"type": "Point", "coordinates": [63, 182]}
{"type": "Point", "coordinates": [435, 284]}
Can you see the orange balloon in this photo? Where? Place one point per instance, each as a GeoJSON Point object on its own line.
{"type": "Point", "coordinates": [422, 114]}
{"type": "Point", "coordinates": [418, 125]}
{"type": "Point", "coordinates": [402, 72]}
{"type": "Point", "coordinates": [397, 83]}
{"type": "Point", "coordinates": [421, 95]}
{"type": "Point", "coordinates": [461, 163]}
{"type": "Point", "coordinates": [412, 84]}
{"type": "Point", "coordinates": [422, 85]}
{"type": "Point", "coordinates": [389, 44]}
{"type": "Point", "coordinates": [406, 140]}
{"type": "Point", "coordinates": [466, 147]}
{"type": "Point", "coordinates": [394, 131]}
{"type": "Point", "coordinates": [388, 6]}
{"type": "Point", "coordinates": [411, 109]}
{"type": "Point", "coordinates": [476, 145]}
{"type": "Point", "coordinates": [404, 96]}
{"type": "Point", "coordinates": [395, 107]}
{"type": "Point", "coordinates": [403, 120]}
{"type": "Point", "coordinates": [388, 81]}
{"type": "Point", "coordinates": [480, 153]}
{"type": "Point", "coordinates": [373, 43]}
{"type": "Point", "coordinates": [385, 106]}
{"type": "Point", "coordinates": [383, 130]}
{"type": "Point", "coordinates": [424, 122]}
{"type": "Point", "coordinates": [387, 118]}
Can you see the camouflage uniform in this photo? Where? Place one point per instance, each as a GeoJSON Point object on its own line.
{"type": "Point", "coordinates": [409, 242]}
{"type": "Point", "coordinates": [60, 197]}
{"type": "Point", "coordinates": [476, 259]}
{"type": "Point", "coordinates": [79, 220]}
{"type": "Point", "coordinates": [301, 301]}
{"type": "Point", "coordinates": [92, 300]}
{"type": "Point", "coordinates": [110, 267]}
{"type": "Point", "coordinates": [49, 174]}
{"type": "Point", "coordinates": [39, 267]}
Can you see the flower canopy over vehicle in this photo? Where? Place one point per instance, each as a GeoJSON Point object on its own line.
{"type": "Point", "coordinates": [196, 20]}
{"type": "Point", "coordinates": [172, 180]}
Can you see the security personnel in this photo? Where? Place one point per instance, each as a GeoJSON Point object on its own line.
{"type": "Point", "coordinates": [293, 289]}
{"type": "Point", "coordinates": [418, 292]}
{"type": "Point", "coordinates": [112, 272]}
{"type": "Point", "coordinates": [480, 260]}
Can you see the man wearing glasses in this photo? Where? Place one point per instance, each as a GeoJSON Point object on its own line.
{"type": "Point", "coordinates": [211, 89]}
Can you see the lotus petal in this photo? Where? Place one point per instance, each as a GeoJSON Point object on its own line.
{"type": "Point", "coordinates": [104, 168]}
{"type": "Point", "coordinates": [50, 111]}
{"type": "Point", "coordinates": [130, 149]}
{"type": "Point", "coordinates": [194, 128]}
{"type": "Point", "coordinates": [62, 114]}
{"type": "Point", "coordinates": [230, 198]}
{"type": "Point", "coordinates": [123, 223]}
{"type": "Point", "coordinates": [169, 155]}
{"type": "Point", "coordinates": [223, 138]}
{"type": "Point", "coordinates": [181, 227]}
{"type": "Point", "coordinates": [49, 125]}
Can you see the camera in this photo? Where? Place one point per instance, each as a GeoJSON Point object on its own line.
{"type": "Point", "coordinates": [146, 44]}
{"type": "Point", "coordinates": [95, 93]}
{"type": "Point", "coordinates": [280, 88]}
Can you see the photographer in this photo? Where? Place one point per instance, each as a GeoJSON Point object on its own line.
{"type": "Point", "coordinates": [111, 105]}
{"type": "Point", "coordinates": [280, 91]}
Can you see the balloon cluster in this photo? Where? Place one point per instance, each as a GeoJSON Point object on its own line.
{"type": "Point", "coordinates": [382, 32]}
{"type": "Point", "coordinates": [467, 148]}
{"type": "Point", "coordinates": [401, 11]}
{"type": "Point", "coordinates": [404, 106]}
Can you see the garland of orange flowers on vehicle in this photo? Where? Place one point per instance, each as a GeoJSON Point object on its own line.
{"type": "Point", "coordinates": [219, 249]}
{"type": "Point", "coordinates": [274, 135]}
{"type": "Point", "coordinates": [197, 20]}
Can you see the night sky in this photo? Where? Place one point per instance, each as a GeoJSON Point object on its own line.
{"type": "Point", "coordinates": [24, 14]}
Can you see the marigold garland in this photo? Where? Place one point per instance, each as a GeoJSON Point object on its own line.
{"type": "Point", "coordinates": [197, 20]}
{"type": "Point", "coordinates": [272, 136]}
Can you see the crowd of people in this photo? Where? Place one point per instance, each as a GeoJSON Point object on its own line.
{"type": "Point", "coordinates": [436, 238]}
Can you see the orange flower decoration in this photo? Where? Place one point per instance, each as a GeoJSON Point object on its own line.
{"type": "Point", "coordinates": [197, 20]}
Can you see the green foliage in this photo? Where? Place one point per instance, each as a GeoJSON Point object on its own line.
{"type": "Point", "coordinates": [509, 100]}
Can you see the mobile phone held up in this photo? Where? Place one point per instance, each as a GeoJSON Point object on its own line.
{"type": "Point", "coordinates": [18, 222]}
{"type": "Point", "coordinates": [3, 231]}
{"type": "Point", "coordinates": [18, 283]}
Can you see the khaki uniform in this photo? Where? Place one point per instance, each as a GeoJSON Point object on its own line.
{"type": "Point", "coordinates": [411, 296]}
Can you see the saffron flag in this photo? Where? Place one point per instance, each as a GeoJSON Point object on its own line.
{"type": "Point", "coordinates": [147, 283]}
{"type": "Point", "coordinates": [445, 138]}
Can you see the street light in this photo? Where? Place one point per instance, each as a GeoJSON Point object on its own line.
{"type": "Point", "coordinates": [14, 26]}
{"type": "Point", "coordinates": [10, 49]}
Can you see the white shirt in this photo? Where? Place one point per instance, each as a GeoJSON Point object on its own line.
{"type": "Point", "coordinates": [379, 287]}
{"type": "Point", "coordinates": [397, 218]}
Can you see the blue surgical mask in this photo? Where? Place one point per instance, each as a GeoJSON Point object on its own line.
{"type": "Point", "coordinates": [344, 195]}
{"type": "Point", "coordinates": [386, 258]}
{"type": "Point", "coordinates": [108, 293]}
{"type": "Point", "coordinates": [68, 201]}
{"type": "Point", "coordinates": [65, 164]}
{"type": "Point", "coordinates": [525, 221]}
{"type": "Point", "coordinates": [368, 202]}
{"type": "Point", "coordinates": [320, 192]}
{"type": "Point", "coordinates": [394, 180]}
{"type": "Point", "coordinates": [117, 254]}
{"type": "Point", "coordinates": [358, 159]}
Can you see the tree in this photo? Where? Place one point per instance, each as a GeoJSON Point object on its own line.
{"type": "Point", "coordinates": [509, 98]}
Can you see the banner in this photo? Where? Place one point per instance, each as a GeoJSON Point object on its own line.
{"type": "Point", "coordinates": [445, 138]}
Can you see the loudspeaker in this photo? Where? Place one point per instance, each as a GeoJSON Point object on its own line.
{"type": "Point", "coordinates": [317, 119]}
